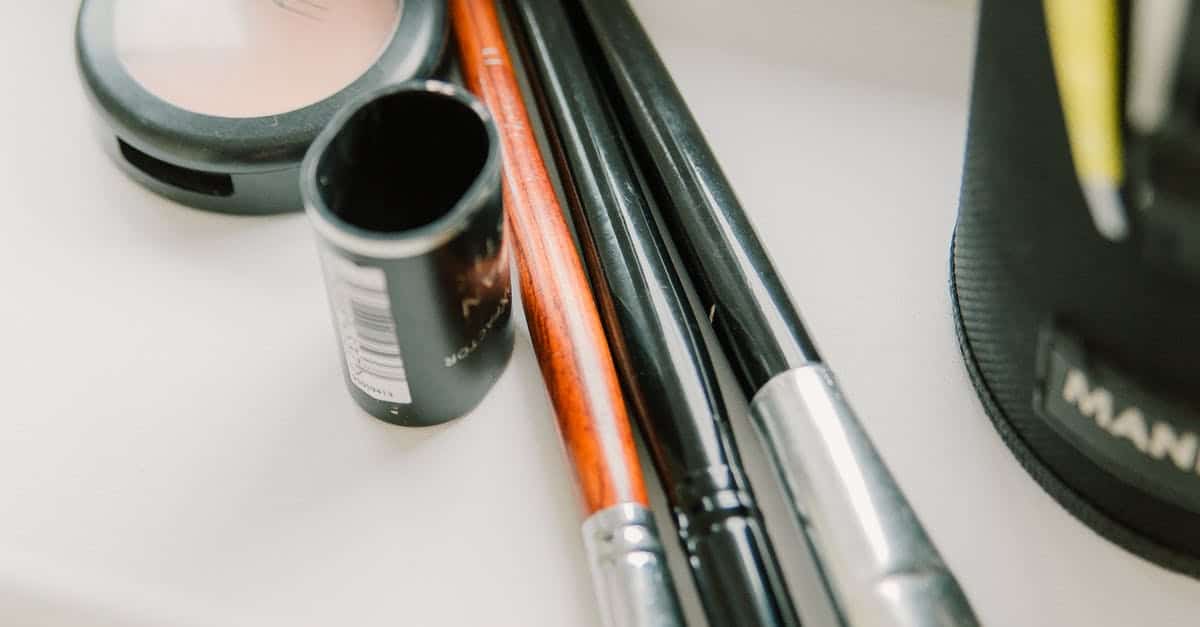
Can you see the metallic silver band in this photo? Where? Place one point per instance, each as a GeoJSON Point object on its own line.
{"type": "Point", "coordinates": [882, 567]}
{"type": "Point", "coordinates": [629, 568]}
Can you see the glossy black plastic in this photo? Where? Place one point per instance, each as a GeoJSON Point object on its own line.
{"type": "Point", "coordinates": [756, 322]}
{"type": "Point", "coordinates": [654, 333]}
{"type": "Point", "coordinates": [403, 191]}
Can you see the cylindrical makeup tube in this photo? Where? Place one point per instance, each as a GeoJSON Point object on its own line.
{"type": "Point", "coordinates": [403, 191]}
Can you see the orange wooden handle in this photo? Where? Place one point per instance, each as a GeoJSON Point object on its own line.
{"type": "Point", "coordinates": [563, 321]}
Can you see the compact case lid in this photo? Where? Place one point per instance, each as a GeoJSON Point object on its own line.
{"type": "Point", "coordinates": [190, 112]}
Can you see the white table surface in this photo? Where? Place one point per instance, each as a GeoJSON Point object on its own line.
{"type": "Point", "coordinates": [177, 447]}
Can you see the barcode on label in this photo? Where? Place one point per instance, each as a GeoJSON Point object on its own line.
{"type": "Point", "coordinates": [363, 313]}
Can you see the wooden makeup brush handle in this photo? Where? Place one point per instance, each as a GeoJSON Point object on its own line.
{"type": "Point", "coordinates": [559, 308]}
{"type": "Point", "coordinates": [629, 569]}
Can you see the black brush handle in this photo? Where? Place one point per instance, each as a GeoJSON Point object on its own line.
{"type": "Point", "coordinates": [748, 305]}
{"type": "Point", "coordinates": [655, 335]}
{"type": "Point", "coordinates": [879, 564]}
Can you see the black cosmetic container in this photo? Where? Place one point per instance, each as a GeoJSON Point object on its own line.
{"type": "Point", "coordinates": [213, 104]}
{"type": "Point", "coordinates": [1084, 348]}
{"type": "Point", "coordinates": [403, 191]}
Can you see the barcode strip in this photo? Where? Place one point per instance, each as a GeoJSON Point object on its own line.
{"type": "Point", "coordinates": [376, 332]}
{"type": "Point", "coordinates": [368, 330]}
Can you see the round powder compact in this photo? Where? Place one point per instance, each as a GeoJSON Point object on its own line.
{"type": "Point", "coordinates": [214, 103]}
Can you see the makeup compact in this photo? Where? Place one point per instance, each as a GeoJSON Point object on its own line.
{"type": "Point", "coordinates": [214, 103]}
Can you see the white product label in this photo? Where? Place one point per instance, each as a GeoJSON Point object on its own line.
{"type": "Point", "coordinates": [364, 320]}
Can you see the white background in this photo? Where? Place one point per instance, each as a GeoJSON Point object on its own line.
{"type": "Point", "coordinates": [177, 447]}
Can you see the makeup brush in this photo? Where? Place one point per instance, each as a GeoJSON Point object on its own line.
{"type": "Point", "coordinates": [881, 566]}
{"type": "Point", "coordinates": [628, 565]}
{"type": "Point", "coordinates": [655, 335]}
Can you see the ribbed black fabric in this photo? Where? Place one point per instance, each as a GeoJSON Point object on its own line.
{"type": "Point", "coordinates": [1025, 254]}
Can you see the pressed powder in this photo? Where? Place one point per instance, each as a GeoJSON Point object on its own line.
{"type": "Point", "coordinates": [248, 58]}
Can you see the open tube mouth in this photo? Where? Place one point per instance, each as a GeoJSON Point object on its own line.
{"type": "Point", "coordinates": [403, 166]}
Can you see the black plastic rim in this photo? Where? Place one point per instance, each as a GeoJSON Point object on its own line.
{"type": "Point", "coordinates": [247, 166]}
{"type": "Point", "coordinates": [236, 145]}
{"type": "Point", "coordinates": [1075, 504]}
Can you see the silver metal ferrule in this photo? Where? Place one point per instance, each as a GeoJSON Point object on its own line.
{"type": "Point", "coordinates": [881, 566]}
{"type": "Point", "coordinates": [629, 568]}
